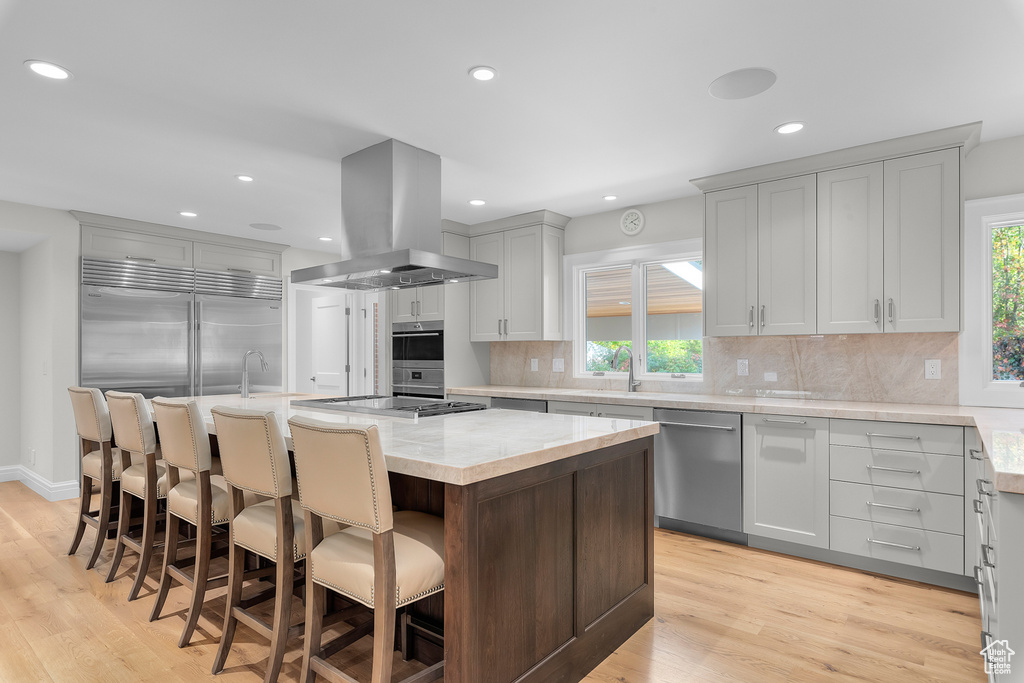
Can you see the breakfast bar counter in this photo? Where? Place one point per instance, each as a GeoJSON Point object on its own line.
{"type": "Point", "coordinates": [548, 532]}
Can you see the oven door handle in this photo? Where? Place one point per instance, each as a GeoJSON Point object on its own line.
{"type": "Point", "coordinates": [416, 386]}
{"type": "Point", "coordinates": [416, 334]}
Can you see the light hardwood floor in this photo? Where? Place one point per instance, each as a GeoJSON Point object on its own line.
{"type": "Point", "coordinates": [722, 613]}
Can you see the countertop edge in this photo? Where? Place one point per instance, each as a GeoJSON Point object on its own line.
{"type": "Point", "coordinates": [1007, 478]}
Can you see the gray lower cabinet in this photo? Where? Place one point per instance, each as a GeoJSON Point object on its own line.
{"type": "Point", "coordinates": [785, 478]}
{"type": "Point", "coordinates": [601, 410]}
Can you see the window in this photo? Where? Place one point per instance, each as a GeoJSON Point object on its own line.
{"type": "Point", "coordinates": [645, 302]}
{"type": "Point", "coordinates": [992, 345]}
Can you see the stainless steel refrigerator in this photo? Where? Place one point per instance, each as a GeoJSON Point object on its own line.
{"type": "Point", "coordinates": [161, 331]}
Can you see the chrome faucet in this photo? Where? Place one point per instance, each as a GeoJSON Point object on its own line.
{"type": "Point", "coordinates": [245, 369]}
{"type": "Point", "coordinates": [632, 383]}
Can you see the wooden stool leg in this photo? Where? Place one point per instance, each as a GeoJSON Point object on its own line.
{"type": "Point", "coordinates": [316, 597]}
{"type": "Point", "coordinates": [383, 606]}
{"type": "Point", "coordinates": [236, 571]}
{"type": "Point", "coordinates": [282, 610]}
{"type": "Point", "coordinates": [124, 516]}
{"type": "Point", "coordinates": [106, 496]}
{"type": "Point", "coordinates": [200, 576]}
{"type": "Point", "coordinates": [149, 516]}
{"type": "Point", "coordinates": [170, 557]}
{"type": "Point", "coordinates": [83, 510]}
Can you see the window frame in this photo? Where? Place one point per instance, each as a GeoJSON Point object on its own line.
{"type": "Point", "coordinates": [977, 388]}
{"type": "Point", "coordinates": [576, 267]}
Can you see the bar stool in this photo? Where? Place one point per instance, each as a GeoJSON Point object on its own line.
{"type": "Point", "coordinates": [201, 501]}
{"type": "Point", "coordinates": [384, 559]}
{"type": "Point", "coordinates": [100, 466]}
{"type": "Point", "coordinates": [255, 459]}
{"type": "Point", "coordinates": [145, 480]}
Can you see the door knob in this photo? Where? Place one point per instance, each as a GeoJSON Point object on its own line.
{"type": "Point", "coordinates": [312, 379]}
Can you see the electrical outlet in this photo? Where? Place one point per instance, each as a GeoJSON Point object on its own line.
{"type": "Point", "coordinates": [534, 364]}
{"type": "Point", "coordinates": [32, 456]}
{"type": "Point", "coordinates": [933, 369]}
{"type": "Point", "coordinates": [742, 367]}
{"type": "Point", "coordinates": [771, 377]}
{"type": "Point", "coordinates": [557, 365]}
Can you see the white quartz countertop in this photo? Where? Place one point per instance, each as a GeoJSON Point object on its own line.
{"type": "Point", "coordinates": [1001, 429]}
{"type": "Point", "coordinates": [461, 448]}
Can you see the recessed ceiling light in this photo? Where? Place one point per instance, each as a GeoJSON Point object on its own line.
{"type": "Point", "coordinates": [264, 226]}
{"type": "Point", "coordinates": [610, 197]}
{"type": "Point", "coordinates": [188, 214]}
{"type": "Point", "coordinates": [48, 69]}
{"type": "Point", "coordinates": [385, 270]}
{"type": "Point", "coordinates": [326, 239]}
{"type": "Point", "coordinates": [477, 202]}
{"type": "Point", "coordinates": [394, 288]}
{"type": "Point", "coordinates": [791, 127]}
{"type": "Point", "coordinates": [742, 83]}
{"type": "Point", "coordinates": [454, 280]}
{"type": "Point", "coordinates": [245, 178]}
{"type": "Point", "coordinates": [326, 280]}
{"type": "Point", "coordinates": [483, 73]}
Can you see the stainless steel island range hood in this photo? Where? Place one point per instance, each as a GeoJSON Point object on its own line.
{"type": "Point", "coordinates": [391, 225]}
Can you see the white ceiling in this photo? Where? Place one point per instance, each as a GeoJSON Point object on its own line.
{"type": "Point", "coordinates": [170, 100]}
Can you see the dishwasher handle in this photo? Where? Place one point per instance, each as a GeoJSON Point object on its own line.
{"type": "Point", "coordinates": [724, 428]}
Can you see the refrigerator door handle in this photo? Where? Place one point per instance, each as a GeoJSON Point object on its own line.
{"type": "Point", "coordinates": [198, 384]}
{"type": "Point", "coordinates": [191, 350]}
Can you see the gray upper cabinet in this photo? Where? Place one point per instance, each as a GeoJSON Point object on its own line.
{"type": "Point", "coordinates": [121, 245]}
{"type": "Point", "coordinates": [417, 304]}
{"type": "Point", "coordinates": [730, 262]}
{"type": "Point", "coordinates": [922, 242]}
{"type": "Point", "coordinates": [850, 298]}
{"type": "Point", "coordinates": [785, 256]}
{"type": "Point", "coordinates": [231, 259]}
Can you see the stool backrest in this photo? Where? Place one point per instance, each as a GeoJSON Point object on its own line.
{"type": "Point", "coordinates": [184, 440]}
{"type": "Point", "coordinates": [92, 419]}
{"type": "Point", "coordinates": [132, 422]}
{"type": "Point", "coordinates": [253, 451]}
{"type": "Point", "coordinates": [341, 473]}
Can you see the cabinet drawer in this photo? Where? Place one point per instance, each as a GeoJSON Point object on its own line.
{"type": "Point", "coordinates": [898, 436]}
{"type": "Point", "coordinates": [916, 547]}
{"type": "Point", "coordinates": [236, 260]}
{"type": "Point", "coordinates": [932, 511]}
{"type": "Point", "coordinates": [919, 471]}
{"type": "Point", "coordinates": [602, 410]}
{"type": "Point", "coordinates": [123, 245]}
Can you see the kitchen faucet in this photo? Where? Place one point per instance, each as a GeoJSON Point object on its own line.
{"type": "Point", "coordinates": [632, 383]}
{"type": "Point", "coordinates": [245, 369]}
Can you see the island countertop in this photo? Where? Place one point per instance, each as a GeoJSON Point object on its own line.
{"type": "Point", "coordinates": [461, 448]}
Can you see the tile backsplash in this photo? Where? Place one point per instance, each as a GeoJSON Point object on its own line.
{"type": "Point", "coordinates": [887, 368]}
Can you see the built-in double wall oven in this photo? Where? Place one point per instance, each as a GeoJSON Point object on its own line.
{"type": "Point", "coordinates": [417, 359]}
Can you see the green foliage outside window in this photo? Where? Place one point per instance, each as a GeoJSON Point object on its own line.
{"type": "Point", "coordinates": [1007, 311]}
{"type": "Point", "coordinates": [663, 355]}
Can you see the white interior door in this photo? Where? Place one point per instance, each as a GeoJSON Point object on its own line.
{"type": "Point", "coordinates": [330, 345]}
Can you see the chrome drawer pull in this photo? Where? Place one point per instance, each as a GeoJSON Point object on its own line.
{"type": "Point", "coordinates": [141, 258]}
{"type": "Point", "coordinates": [894, 436]}
{"type": "Point", "coordinates": [724, 428]}
{"type": "Point", "coordinates": [981, 487]}
{"type": "Point", "coordinates": [977, 576]}
{"type": "Point", "coordinates": [893, 507]}
{"type": "Point", "coordinates": [895, 545]}
{"type": "Point", "coordinates": [790, 422]}
{"type": "Point", "coordinates": [892, 469]}
{"type": "Point", "coordinates": [985, 559]}
{"type": "Point", "coordinates": [975, 454]}
{"type": "Point", "coordinates": [977, 506]}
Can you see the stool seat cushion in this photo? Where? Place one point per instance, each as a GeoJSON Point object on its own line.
{"type": "Point", "coordinates": [133, 479]}
{"type": "Point", "coordinates": [255, 529]}
{"type": "Point", "coordinates": [344, 561]}
{"type": "Point", "coordinates": [183, 500]}
{"type": "Point", "coordinates": [92, 464]}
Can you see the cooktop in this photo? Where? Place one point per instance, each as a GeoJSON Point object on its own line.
{"type": "Point", "coordinates": [396, 406]}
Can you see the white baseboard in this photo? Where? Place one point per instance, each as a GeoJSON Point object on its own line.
{"type": "Point", "coordinates": [51, 491]}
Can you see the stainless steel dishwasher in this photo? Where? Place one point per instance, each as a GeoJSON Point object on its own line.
{"type": "Point", "coordinates": [698, 474]}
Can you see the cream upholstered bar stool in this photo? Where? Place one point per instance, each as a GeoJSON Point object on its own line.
{"type": "Point", "coordinates": [200, 499]}
{"type": "Point", "coordinates": [145, 480]}
{"type": "Point", "coordinates": [384, 559]}
{"type": "Point", "coordinates": [255, 459]}
{"type": "Point", "coordinates": [101, 465]}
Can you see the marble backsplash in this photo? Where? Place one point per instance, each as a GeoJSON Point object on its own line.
{"type": "Point", "coordinates": [857, 367]}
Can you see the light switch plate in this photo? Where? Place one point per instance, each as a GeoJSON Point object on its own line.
{"type": "Point", "coordinates": [557, 365]}
{"type": "Point", "coordinates": [933, 369]}
{"type": "Point", "coordinates": [742, 367]}
{"type": "Point", "coordinates": [534, 364]}
{"type": "Point", "coordinates": [771, 377]}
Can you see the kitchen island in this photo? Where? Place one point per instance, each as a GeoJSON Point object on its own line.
{"type": "Point", "coordinates": [548, 532]}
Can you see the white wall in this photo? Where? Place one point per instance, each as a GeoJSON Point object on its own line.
{"type": "Point", "coordinates": [48, 340]}
{"type": "Point", "coordinates": [995, 169]}
{"type": "Point", "coordinates": [10, 358]}
{"type": "Point", "coordinates": [466, 363]}
{"type": "Point", "coordinates": [675, 219]}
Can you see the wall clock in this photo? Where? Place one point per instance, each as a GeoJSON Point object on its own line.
{"type": "Point", "coordinates": [632, 221]}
